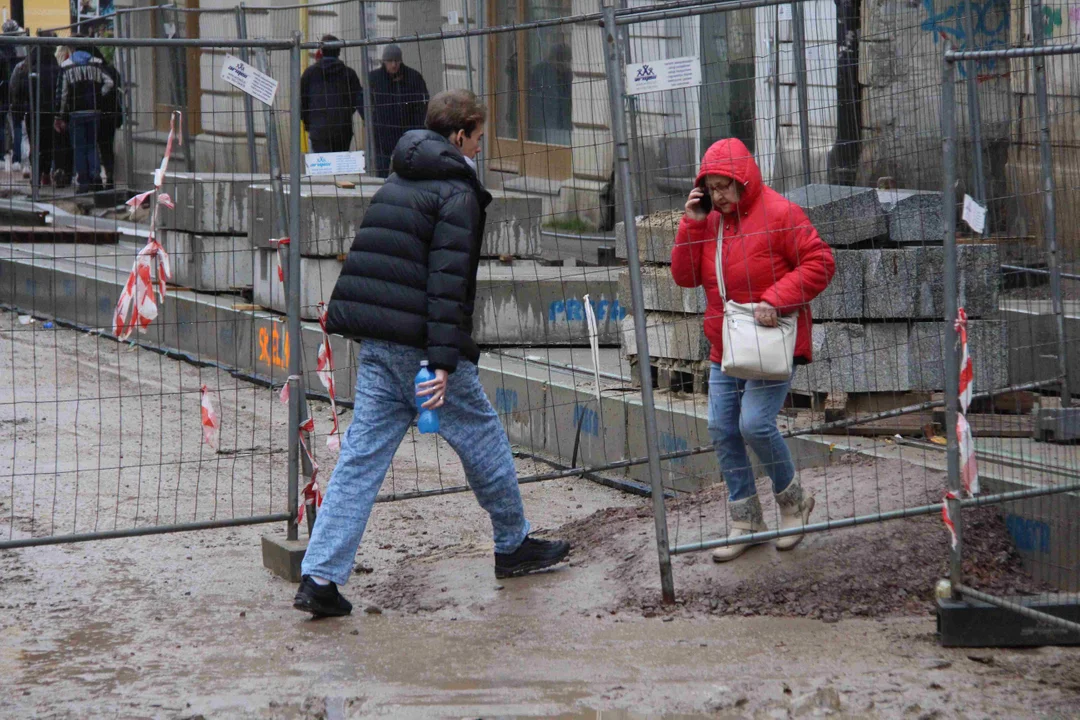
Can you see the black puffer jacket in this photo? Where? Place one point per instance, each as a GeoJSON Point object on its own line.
{"type": "Point", "coordinates": [410, 277]}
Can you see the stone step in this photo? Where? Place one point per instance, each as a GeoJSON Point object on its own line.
{"type": "Point", "coordinates": [656, 237]}
{"type": "Point", "coordinates": [897, 357]}
{"type": "Point", "coordinates": [842, 215]}
{"type": "Point", "coordinates": [523, 305]}
{"type": "Point", "coordinates": [330, 217]}
{"type": "Point", "coordinates": [212, 263]}
{"type": "Point", "coordinates": [211, 202]}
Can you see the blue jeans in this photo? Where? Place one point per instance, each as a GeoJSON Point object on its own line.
{"type": "Point", "coordinates": [84, 130]}
{"type": "Point", "coordinates": [741, 413]}
{"type": "Point", "coordinates": [384, 409]}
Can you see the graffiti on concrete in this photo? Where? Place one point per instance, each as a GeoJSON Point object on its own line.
{"type": "Point", "coordinates": [573, 310]}
{"type": "Point", "coordinates": [588, 418]}
{"type": "Point", "coordinates": [1028, 535]}
{"type": "Point", "coordinates": [991, 28]}
{"type": "Point", "coordinates": [670, 443]}
{"type": "Point", "coordinates": [506, 401]}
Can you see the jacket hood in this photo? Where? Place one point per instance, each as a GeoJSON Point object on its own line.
{"type": "Point", "coordinates": [730, 157]}
{"type": "Point", "coordinates": [427, 155]}
{"type": "Point", "coordinates": [332, 66]}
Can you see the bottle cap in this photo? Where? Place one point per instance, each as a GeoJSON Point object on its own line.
{"type": "Point", "coordinates": [423, 363]}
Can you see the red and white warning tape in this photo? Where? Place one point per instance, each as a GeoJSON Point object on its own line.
{"type": "Point", "coordinates": [280, 244]}
{"type": "Point", "coordinates": [210, 422]}
{"type": "Point", "coordinates": [969, 472]}
{"type": "Point", "coordinates": [311, 490]}
{"type": "Point", "coordinates": [137, 306]}
{"type": "Point", "coordinates": [325, 371]}
{"type": "Point", "coordinates": [946, 517]}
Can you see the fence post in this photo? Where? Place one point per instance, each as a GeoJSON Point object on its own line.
{"type": "Point", "coordinates": [274, 154]}
{"type": "Point", "coordinates": [615, 73]}
{"type": "Point", "coordinates": [249, 108]}
{"type": "Point", "coordinates": [468, 46]}
{"type": "Point", "coordinates": [297, 395]}
{"type": "Point", "coordinates": [127, 80]}
{"type": "Point", "coordinates": [369, 106]}
{"type": "Point", "coordinates": [34, 89]}
{"type": "Point", "coordinates": [952, 362]}
{"type": "Point", "coordinates": [974, 111]}
{"type": "Point", "coordinates": [1046, 167]}
{"type": "Point", "coordinates": [798, 42]}
{"type": "Point", "coordinates": [481, 69]}
{"type": "Point", "coordinates": [635, 131]}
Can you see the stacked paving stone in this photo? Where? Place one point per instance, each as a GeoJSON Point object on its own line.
{"type": "Point", "coordinates": [879, 325]}
{"type": "Point", "coordinates": [678, 348]}
{"type": "Point", "coordinates": [207, 234]}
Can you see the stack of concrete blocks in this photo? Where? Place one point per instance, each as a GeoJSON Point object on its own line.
{"type": "Point", "coordinates": [879, 326]}
{"type": "Point", "coordinates": [678, 348]}
{"type": "Point", "coordinates": [207, 234]}
{"type": "Point", "coordinates": [522, 303]}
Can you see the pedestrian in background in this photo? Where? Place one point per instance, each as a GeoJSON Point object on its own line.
{"type": "Point", "coordinates": [407, 290]}
{"type": "Point", "coordinates": [330, 92]}
{"type": "Point", "coordinates": [747, 243]}
{"type": "Point", "coordinates": [112, 119]}
{"type": "Point", "coordinates": [83, 88]}
{"type": "Point", "coordinates": [33, 88]}
{"type": "Point", "coordinates": [399, 97]}
{"type": "Point", "coordinates": [10, 128]}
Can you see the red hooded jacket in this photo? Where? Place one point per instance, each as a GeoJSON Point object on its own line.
{"type": "Point", "coordinates": [771, 252]}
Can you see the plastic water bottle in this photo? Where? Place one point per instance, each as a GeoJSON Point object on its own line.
{"type": "Point", "coordinates": [429, 419]}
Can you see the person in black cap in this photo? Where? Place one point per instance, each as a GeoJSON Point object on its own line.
{"type": "Point", "coordinates": [330, 92]}
{"type": "Point", "coordinates": [399, 97]}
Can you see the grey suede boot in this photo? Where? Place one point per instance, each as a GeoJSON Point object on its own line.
{"type": "Point", "coordinates": [746, 518]}
{"type": "Point", "coordinates": [795, 508]}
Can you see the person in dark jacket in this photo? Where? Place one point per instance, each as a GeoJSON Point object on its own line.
{"type": "Point", "coordinates": [399, 97]}
{"type": "Point", "coordinates": [112, 119]}
{"type": "Point", "coordinates": [9, 58]}
{"type": "Point", "coordinates": [407, 291]}
{"type": "Point", "coordinates": [84, 85]}
{"type": "Point", "coordinates": [330, 92]}
{"type": "Point", "coordinates": [33, 84]}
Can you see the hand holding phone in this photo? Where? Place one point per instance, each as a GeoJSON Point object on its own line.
{"type": "Point", "coordinates": [698, 203]}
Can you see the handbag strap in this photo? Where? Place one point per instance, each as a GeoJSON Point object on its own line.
{"type": "Point", "coordinates": [720, 263]}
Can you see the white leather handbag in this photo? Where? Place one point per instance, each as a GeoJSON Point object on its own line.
{"type": "Point", "coordinates": [752, 351]}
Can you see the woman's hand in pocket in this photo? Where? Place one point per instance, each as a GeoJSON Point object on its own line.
{"type": "Point", "coordinates": [766, 315]}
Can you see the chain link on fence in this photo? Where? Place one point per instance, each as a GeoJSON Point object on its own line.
{"type": "Point", "coordinates": [597, 356]}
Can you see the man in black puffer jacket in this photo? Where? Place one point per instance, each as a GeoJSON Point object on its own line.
{"type": "Point", "coordinates": [406, 292]}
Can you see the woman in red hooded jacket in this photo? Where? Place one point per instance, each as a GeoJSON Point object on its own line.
{"type": "Point", "coordinates": [771, 256]}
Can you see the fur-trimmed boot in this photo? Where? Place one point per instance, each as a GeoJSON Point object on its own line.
{"type": "Point", "coordinates": [795, 508]}
{"type": "Point", "coordinates": [746, 518]}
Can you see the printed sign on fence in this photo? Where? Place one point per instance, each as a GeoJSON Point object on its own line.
{"type": "Point", "coordinates": [251, 80]}
{"type": "Point", "coordinates": [336, 163]}
{"type": "Point", "coordinates": [974, 214]}
{"type": "Point", "coordinates": [659, 75]}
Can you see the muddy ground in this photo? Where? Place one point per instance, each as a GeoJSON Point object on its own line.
{"type": "Point", "coordinates": [189, 625]}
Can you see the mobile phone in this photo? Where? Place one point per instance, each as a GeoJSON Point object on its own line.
{"type": "Point", "coordinates": [705, 202]}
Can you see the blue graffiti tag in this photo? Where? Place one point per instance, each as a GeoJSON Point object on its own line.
{"type": "Point", "coordinates": [1028, 535]}
{"type": "Point", "coordinates": [950, 22]}
{"type": "Point", "coordinates": [506, 400]}
{"type": "Point", "coordinates": [573, 310]}
{"type": "Point", "coordinates": [589, 419]}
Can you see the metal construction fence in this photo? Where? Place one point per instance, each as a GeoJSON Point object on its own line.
{"type": "Point", "coordinates": [595, 356]}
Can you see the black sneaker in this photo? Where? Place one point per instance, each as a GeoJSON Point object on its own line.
{"type": "Point", "coordinates": [320, 600]}
{"type": "Point", "coordinates": [531, 556]}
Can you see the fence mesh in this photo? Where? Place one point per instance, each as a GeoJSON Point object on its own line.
{"type": "Point", "coordinates": [840, 106]}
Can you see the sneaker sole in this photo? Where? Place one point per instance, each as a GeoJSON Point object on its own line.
{"type": "Point", "coordinates": [529, 567]}
{"type": "Point", "coordinates": [319, 612]}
